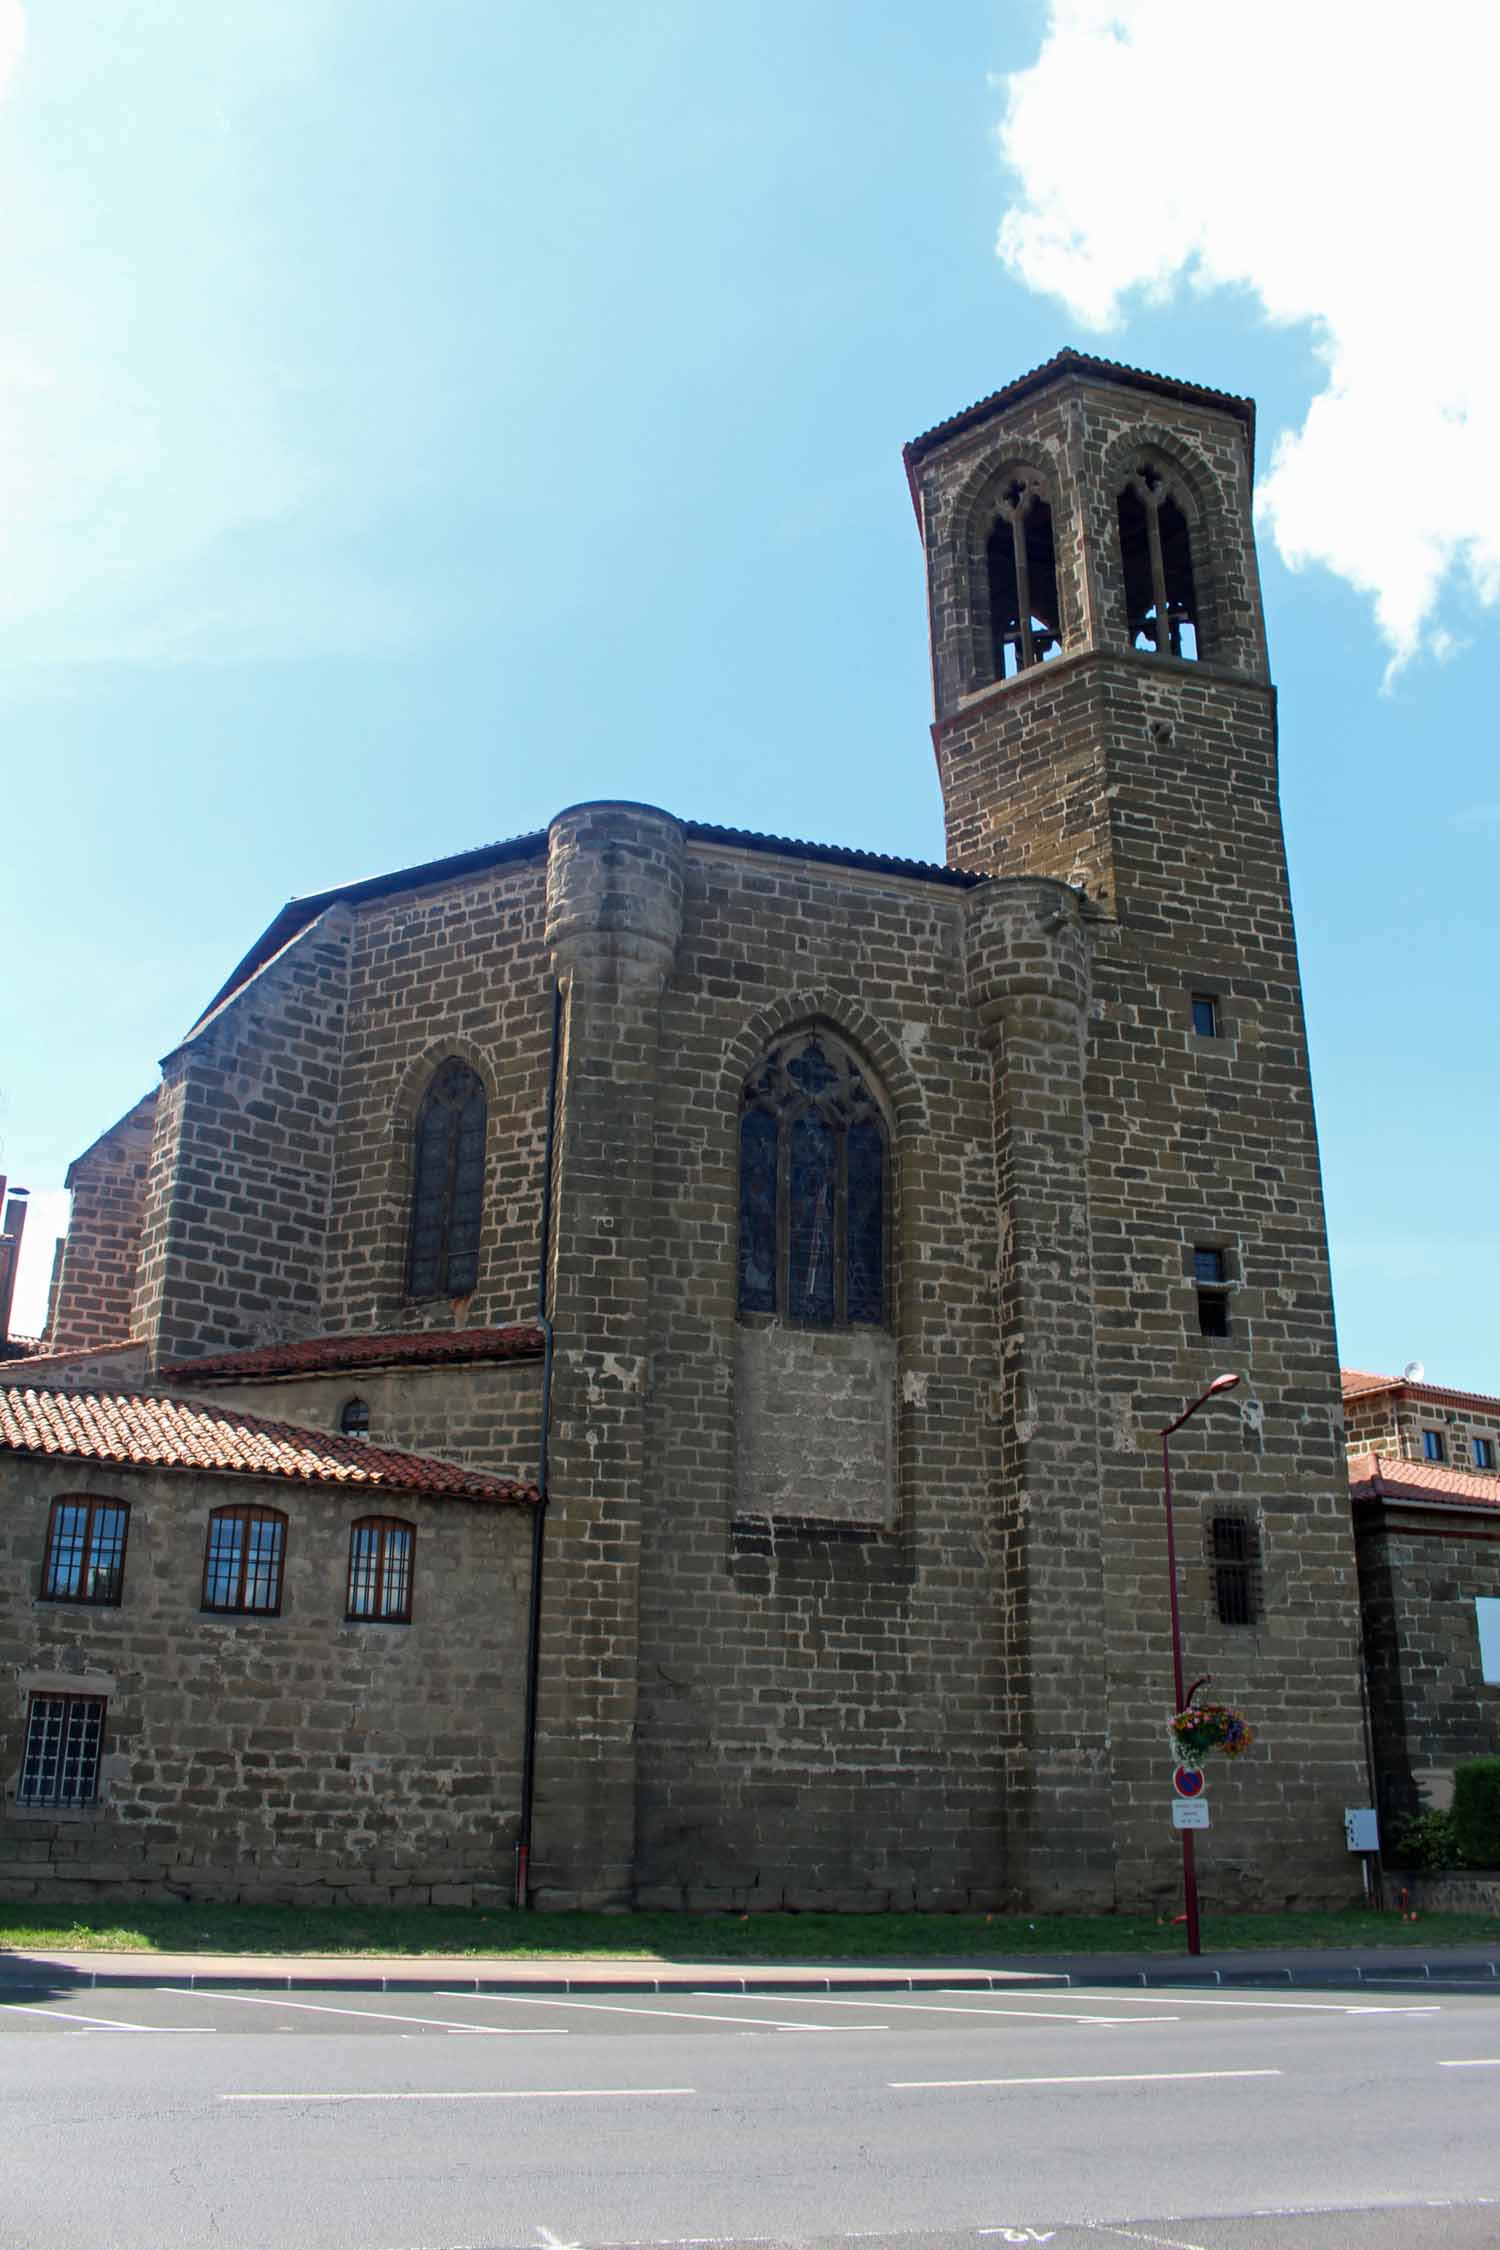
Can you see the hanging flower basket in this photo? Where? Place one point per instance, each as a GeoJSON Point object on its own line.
{"type": "Point", "coordinates": [1210, 1726]}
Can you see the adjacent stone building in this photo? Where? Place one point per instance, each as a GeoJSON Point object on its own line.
{"type": "Point", "coordinates": [830, 1236]}
{"type": "Point", "coordinates": [247, 1659]}
{"type": "Point", "coordinates": [1424, 1479]}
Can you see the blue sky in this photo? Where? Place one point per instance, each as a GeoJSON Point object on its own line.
{"type": "Point", "coordinates": [413, 421]}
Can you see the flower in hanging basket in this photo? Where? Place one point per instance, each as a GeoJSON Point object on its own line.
{"type": "Point", "coordinates": [1210, 1726]}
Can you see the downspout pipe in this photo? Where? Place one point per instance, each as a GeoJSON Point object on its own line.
{"type": "Point", "coordinates": [539, 1512]}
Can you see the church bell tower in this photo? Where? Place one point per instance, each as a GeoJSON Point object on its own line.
{"type": "Point", "coordinates": [1105, 721]}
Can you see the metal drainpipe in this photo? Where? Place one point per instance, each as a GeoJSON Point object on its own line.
{"type": "Point", "coordinates": [539, 1514]}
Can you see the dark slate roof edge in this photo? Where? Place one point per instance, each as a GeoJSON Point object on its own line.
{"type": "Point", "coordinates": [1071, 362]}
{"type": "Point", "coordinates": [100, 1138]}
{"type": "Point", "coordinates": [298, 912]}
{"type": "Point", "coordinates": [832, 855]}
{"type": "Point", "coordinates": [295, 916]}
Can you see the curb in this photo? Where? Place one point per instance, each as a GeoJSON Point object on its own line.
{"type": "Point", "coordinates": [1344, 1974]}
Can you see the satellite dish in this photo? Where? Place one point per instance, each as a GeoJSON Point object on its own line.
{"type": "Point", "coordinates": [1413, 1372]}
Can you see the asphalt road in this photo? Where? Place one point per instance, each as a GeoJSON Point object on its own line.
{"type": "Point", "coordinates": [1289, 2120]}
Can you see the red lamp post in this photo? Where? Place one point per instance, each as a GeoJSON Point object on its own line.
{"type": "Point", "coordinates": [1189, 1867]}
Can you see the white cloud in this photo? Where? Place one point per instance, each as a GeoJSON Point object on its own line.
{"type": "Point", "coordinates": [1338, 163]}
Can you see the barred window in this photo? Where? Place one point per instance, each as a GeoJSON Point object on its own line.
{"type": "Point", "coordinates": [60, 1763]}
{"type": "Point", "coordinates": [243, 1562]}
{"type": "Point", "coordinates": [355, 1418]}
{"type": "Point", "coordinates": [380, 1565]}
{"type": "Point", "coordinates": [85, 1560]}
{"type": "Point", "coordinates": [1234, 1553]}
{"type": "Point", "coordinates": [447, 1197]}
{"type": "Point", "coordinates": [813, 1193]}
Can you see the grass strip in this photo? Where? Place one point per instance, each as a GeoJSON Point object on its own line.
{"type": "Point", "coordinates": [170, 1927]}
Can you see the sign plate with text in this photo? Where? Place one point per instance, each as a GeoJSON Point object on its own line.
{"type": "Point", "coordinates": [1190, 1812]}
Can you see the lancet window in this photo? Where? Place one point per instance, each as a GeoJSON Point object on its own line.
{"type": "Point", "coordinates": [1021, 559]}
{"type": "Point", "coordinates": [1161, 597]}
{"type": "Point", "coordinates": [447, 1199]}
{"type": "Point", "coordinates": [814, 1187]}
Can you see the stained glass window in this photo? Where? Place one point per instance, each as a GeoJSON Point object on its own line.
{"type": "Point", "coordinates": [813, 1164]}
{"type": "Point", "coordinates": [447, 1203]}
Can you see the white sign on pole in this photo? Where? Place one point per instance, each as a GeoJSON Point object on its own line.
{"type": "Point", "coordinates": [1190, 1812]}
{"type": "Point", "coordinates": [1362, 1828]}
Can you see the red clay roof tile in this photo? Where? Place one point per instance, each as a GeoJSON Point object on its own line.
{"type": "Point", "coordinates": [319, 1355]}
{"type": "Point", "coordinates": [138, 1430]}
{"type": "Point", "coordinates": [1359, 1385]}
{"type": "Point", "coordinates": [1382, 1476]}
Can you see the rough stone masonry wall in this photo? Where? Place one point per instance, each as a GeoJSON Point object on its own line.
{"type": "Point", "coordinates": [94, 1290]}
{"type": "Point", "coordinates": [237, 1202]}
{"type": "Point", "coordinates": [1166, 809]}
{"type": "Point", "coordinates": [1393, 1423]}
{"type": "Point", "coordinates": [821, 1708]}
{"type": "Point", "coordinates": [486, 1417]}
{"type": "Point", "coordinates": [298, 1758]}
{"type": "Point", "coordinates": [1430, 1705]}
{"type": "Point", "coordinates": [458, 969]}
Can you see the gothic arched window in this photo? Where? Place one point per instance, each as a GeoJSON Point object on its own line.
{"type": "Point", "coordinates": [1021, 560]}
{"type": "Point", "coordinates": [447, 1193]}
{"type": "Point", "coordinates": [813, 1186]}
{"type": "Point", "coordinates": [1161, 598]}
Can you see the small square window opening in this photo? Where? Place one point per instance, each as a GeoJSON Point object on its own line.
{"type": "Point", "coordinates": [1213, 1313]}
{"type": "Point", "coordinates": [1206, 1015]}
{"type": "Point", "coordinates": [1235, 1559]}
{"type": "Point", "coordinates": [1433, 1448]}
{"type": "Point", "coordinates": [60, 1763]}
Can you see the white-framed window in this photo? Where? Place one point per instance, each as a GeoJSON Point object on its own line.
{"type": "Point", "coordinates": [1487, 1617]}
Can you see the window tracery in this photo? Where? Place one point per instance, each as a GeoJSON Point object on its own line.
{"type": "Point", "coordinates": [447, 1199]}
{"type": "Point", "coordinates": [1021, 561]}
{"type": "Point", "coordinates": [1161, 595]}
{"type": "Point", "coordinates": [813, 1187]}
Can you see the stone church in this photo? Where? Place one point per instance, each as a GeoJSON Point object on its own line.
{"type": "Point", "coordinates": [750, 1279]}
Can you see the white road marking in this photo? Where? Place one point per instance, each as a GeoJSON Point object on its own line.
{"type": "Point", "coordinates": [375, 2015]}
{"type": "Point", "coordinates": [1133, 2234]}
{"type": "Point", "coordinates": [939, 2008]}
{"type": "Point", "coordinates": [621, 2008]}
{"type": "Point", "coordinates": [485, 2094]}
{"type": "Point", "coordinates": [55, 2015]}
{"type": "Point", "coordinates": [1475, 2062]}
{"type": "Point", "coordinates": [1307, 2007]}
{"type": "Point", "coordinates": [1103, 2078]}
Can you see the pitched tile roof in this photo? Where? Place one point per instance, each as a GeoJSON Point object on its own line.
{"type": "Point", "coordinates": [138, 1430]}
{"type": "Point", "coordinates": [1071, 362]}
{"type": "Point", "coordinates": [1382, 1476]}
{"type": "Point", "coordinates": [70, 1358]}
{"type": "Point", "coordinates": [1359, 1385]}
{"type": "Point", "coordinates": [327, 1355]}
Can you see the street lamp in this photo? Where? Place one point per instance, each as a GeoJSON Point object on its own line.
{"type": "Point", "coordinates": [1189, 1869]}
